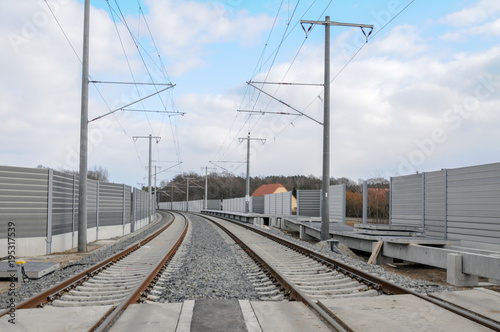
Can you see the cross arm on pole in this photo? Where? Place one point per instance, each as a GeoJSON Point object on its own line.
{"type": "Point", "coordinates": [296, 110]}
{"type": "Point", "coordinates": [170, 167]}
{"type": "Point", "coordinates": [267, 112]}
{"type": "Point", "coordinates": [153, 111]}
{"type": "Point", "coordinates": [356, 25]}
{"type": "Point", "coordinates": [333, 23]}
{"type": "Point", "coordinates": [158, 138]}
{"type": "Point", "coordinates": [288, 83]}
{"type": "Point", "coordinates": [262, 140]}
{"type": "Point", "coordinates": [134, 83]}
{"type": "Point", "coordinates": [135, 102]}
{"type": "Point", "coordinates": [214, 163]}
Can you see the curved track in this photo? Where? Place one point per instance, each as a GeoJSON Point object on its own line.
{"type": "Point", "coordinates": [315, 279]}
{"type": "Point", "coordinates": [117, 281]}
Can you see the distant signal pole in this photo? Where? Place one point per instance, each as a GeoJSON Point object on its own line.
{"type": "Point", "coordinates": [247, 190]}
{"type": "Point", "coordinates": [205, 202]}
{"type": "Point", "coordinates": [150, 205]}
{"type": "Point", "coordinates": [325, 206]}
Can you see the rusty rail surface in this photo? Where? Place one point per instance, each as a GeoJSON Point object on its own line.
{"type": "Point", "coordinates": [140, 290]}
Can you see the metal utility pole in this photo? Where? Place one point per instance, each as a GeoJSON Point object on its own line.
{"type": "Point", "coordinates": [157, 198]}
{"type": "Point", "coordinates": [205, 203]}
{"type": "Point", "coordinates": [365, 202]}
{"type": "Point", "coordinates": [325, 206]}
{"type": "Point", "coordinates": [247, 189]}
{"type": "Point", "coordinates": [187, 196]}
{"type": "Point", "coordinates": [84, 125]}
{"type": "Point", "coordinates": [150, 205]}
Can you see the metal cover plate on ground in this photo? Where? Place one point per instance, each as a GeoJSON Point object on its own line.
{"type": "Point", "coordinates": [401, 313]}
{"type": "Point", "coordinates": [483, 301]}
{"type": "Point", "coordinates": [33, 270]}
{"type": "Point", "coordinates": [54, 319]}
{"type": "Point", "coordinates": [286, 316]}
{"type": "Point", "coordinates": [149, 317]}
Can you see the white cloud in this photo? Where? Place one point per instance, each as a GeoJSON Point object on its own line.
{"type": "Point", "coordinates": [186, 28]}
{"type": "Point", "coordinates": [477, 13]}
{"type": "Point", "coordinates": [389, 103]}
{"type": "Point", "coordinates": [395, 94]}
{"type": "Point", "coordinates": [481, 19]}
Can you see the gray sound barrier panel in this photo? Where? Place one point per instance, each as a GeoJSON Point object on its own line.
{"type": "Point", "coordinates": [435, 208]}
{"type": "Point", "coordinates": [213, 204]}
{"type": "Point", "coordinates": [337, 202]}
{"type": "Point", "coordinates": [474, 203]}
{"type": "Point", "coordinates": [258, 204]}
{"type": "Point", "coordinates": [407, 200]}
{"type": "Point", "coordinates": [24, 201]}
{"type": "Point", "coordinates": [309, 203]}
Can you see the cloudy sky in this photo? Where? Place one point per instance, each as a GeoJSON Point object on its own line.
{"type": "Point", "coordinates": [421, 95]}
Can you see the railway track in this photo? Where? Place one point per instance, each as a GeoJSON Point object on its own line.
{"type": "Point", "coordinates": [316, 280]}
{"type": "Point", "coordinates": [118, 281]}
{"type": "Point", "coordinates": [278, 269]}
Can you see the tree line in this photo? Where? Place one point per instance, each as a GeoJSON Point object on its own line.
{"type": "Point", "coordinates": [97, 173]}
{"type": "Point", "coordinates": [227, 185]}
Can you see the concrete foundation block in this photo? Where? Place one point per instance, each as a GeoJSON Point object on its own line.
{"type": "Point", "coordinates": [303, 235]}
{"type": "Point", "coordinates": [454, 274]}
{"type": "Point", "coordinates": [380, 259]}
{"type": "Point", "coordinates": [285, 227]}
{"type": "Point", "coordinates": [494, 281]}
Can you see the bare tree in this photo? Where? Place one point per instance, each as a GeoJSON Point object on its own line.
{"type": "Point", "coordinates": [98, 173]}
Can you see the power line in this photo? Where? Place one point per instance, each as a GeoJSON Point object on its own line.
{"type": "Point", "coordinates": [161, 67]}
{"type": "Point", "coordinates": [359, 50]}
{"type": "Point", "coordinates": [258, 69]}
{"type": "Point", "coordinates": [354, 55]}
{"type": "Point", "coordinates": [293, 61]}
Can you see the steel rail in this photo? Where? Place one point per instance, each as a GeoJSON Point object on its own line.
{"type": "Point", "coordinates": [387, 287]}
{"type": "Point", "coordinates": [39, 300]}
{"type": "Point", "coordinates": [141, 289]}
{"type": "Point", "coordinates": [291, 290]}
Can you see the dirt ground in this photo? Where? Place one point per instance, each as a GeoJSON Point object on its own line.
{"type": "Point", "coordinates": [418, 272]}
{"type": "Point", "coordinates": [427, 273]}
{"type": "Point", "coordinates": [63, 258]}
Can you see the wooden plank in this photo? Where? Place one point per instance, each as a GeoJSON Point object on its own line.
{"type": "Point", "coordinates": [376, 252]}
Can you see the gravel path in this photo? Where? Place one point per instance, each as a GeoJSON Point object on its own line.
{"type": "Point", "coordinates": [37, 286]}
{"type": "Point", "coordinates": [211, 268]}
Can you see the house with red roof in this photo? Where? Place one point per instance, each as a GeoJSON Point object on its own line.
{"type": "Point", "coordinates": [274, 188]}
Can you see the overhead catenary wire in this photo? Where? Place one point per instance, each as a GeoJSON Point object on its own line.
{"type": "Point", "coordinates": [94, 83]}
{"type": "Point", "coordinates": [359, 50]}
{"type": "Point", "coordinates": [258, 69]}
{"type": "Point", "coordinates": [128, 62]}
{"type": "Point", "coordinates": [161, 67]}
{"type": "Point", "coordinates": [334, 77]}
{"type": "Point", "coordinates": [273, 95]}
{"type": "Point", "coordinates": [90, 77]}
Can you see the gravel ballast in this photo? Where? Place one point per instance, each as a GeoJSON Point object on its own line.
{"type": "Point", "coordinates": [211, 268]}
